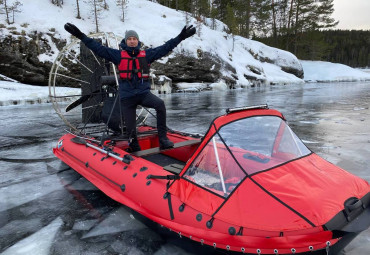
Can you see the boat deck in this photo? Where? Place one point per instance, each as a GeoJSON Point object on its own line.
{"type": "Point", "coordinates": [157, 150]}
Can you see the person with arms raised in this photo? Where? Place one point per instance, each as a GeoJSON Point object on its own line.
{"type": "Point", "coordinates": [134, 86]}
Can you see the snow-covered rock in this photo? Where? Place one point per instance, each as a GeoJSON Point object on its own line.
{"type": "Point", "coordinates": [15, 93]}
{"type": "Point", "coordinates": [320, 71]}
{"type": "Point", "coordinates": [210, 56]}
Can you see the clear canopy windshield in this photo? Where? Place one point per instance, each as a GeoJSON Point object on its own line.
{"type": "Point", "coordinates": [241, 148]}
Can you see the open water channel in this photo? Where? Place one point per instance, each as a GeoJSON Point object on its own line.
{"type": "Point", "coordinates": [47, 208]}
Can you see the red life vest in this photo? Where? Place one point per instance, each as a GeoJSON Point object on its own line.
{"type": "Point", "coordinates": [126, 69]}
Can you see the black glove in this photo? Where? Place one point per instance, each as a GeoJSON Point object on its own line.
{"type": "Point", "coordinates": [186, 32]}
{"type": "Point", "coordinates": [73, 30]}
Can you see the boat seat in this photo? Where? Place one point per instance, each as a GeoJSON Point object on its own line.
{"type": "Point", "coordinates": [174, 168]}
{"type": "Point", "coordinates": [158, 150]}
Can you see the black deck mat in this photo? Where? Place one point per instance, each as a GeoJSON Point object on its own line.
{"type": "Point", "coordinates": [162, 160]}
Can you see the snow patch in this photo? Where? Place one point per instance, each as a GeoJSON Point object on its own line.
{"type": "Point", "coordinates": [190, 87]}
{"type": "Point", "coordinates": [219, 86]}
{"type": "Point", "coordinates": [14, 93]}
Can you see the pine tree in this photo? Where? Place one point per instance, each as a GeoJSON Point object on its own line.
{"type": "Point", "coordinates": [310, 16]}
{"type": "Point", "coordinates": [274, 20]}
{"type": "Point", "coordinates": [204, 8]}
{"type": "Point", "coordinates": [214, 15]}
{"type": "Point", "coordinates": [324, 12]}
{"type": "Point", "coordinates": [242, 16]}
{"type": "Point", "coordinates": [221, 5]}
{"type": "Point", "coordinates": [259, 16]}
{"type": "Point", "coordinates": [252, 16]}
{"type": "Point", "coordinates": [185, 5]}
{"type": "Point", "coordinates": [230, 19]}
{"type": "Point", "coordinates": [304, 19]}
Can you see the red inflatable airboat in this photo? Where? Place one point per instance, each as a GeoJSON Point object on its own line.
{"type": "Point", "coordinates": [248, 185]}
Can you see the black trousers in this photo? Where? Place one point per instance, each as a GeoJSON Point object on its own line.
{"type": "Point", "coordinates": [149, 101]}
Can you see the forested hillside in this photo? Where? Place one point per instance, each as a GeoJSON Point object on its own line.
{"type": "Point", "coordinates": [298, 26]}
{"type": "Point", "coordinates": [348, 47]}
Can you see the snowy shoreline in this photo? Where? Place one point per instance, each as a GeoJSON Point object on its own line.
{"type": "Point", "coordinates": [15, 93]}
{"type": "Point", "coordinates": [253, 63]}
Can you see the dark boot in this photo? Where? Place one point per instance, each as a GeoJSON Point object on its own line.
{"type": "Point", "coordinates": [134, 146]}
{"type": "Point", "coordinates": [165, 143]}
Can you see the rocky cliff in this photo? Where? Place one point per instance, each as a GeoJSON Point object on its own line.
{"type": "Point", "coordinates": [20, 60]}
{"type": "Point", "coordinates": [19, 56]}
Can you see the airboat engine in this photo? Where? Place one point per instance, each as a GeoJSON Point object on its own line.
{"type": "Point", "coordinates": [83, 88]}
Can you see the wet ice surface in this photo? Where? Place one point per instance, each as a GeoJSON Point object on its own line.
{"type": "Point", "coordinates": [47, 208]}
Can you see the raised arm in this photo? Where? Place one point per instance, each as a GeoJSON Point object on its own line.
{"type": "Point", "coordinates": [109, 54]}
{"type": "Point", "coordinates": [156, 53]}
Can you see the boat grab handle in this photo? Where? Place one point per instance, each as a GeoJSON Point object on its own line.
{"type": "Point", "coordinates": [165, 177]}
{"type": "Point", "coordinates": [352, 204]}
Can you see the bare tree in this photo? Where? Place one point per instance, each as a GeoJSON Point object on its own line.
{"type": "Point", "coordinates": [274, 28]}
{"type": "Point", "coordinates": [57, 2]}
{"type": "Point", "coordinates": [97, 9]}
{"type": "Point", "coordinates": [123, 5]}
{"type": "Point", "coordinates": [105, 6]}
{"type": "Point", "coordinates": [1, 10]}
{"type": "Point", "coordinates": [78, 10]}
{"type": "Point", "coordinates": [199, 23]}
{"type": "Point", "coordinates": [15, 8]}
{"type": "Point", "coordinates": [6, 11]}
{"type": "Point", "coordinates": [10, 10]}
{"type": "Point", "coordinates": [187, 17]}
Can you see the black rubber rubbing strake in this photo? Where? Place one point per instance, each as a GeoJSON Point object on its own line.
{"type": "Point", "coordinates": [93, 169]}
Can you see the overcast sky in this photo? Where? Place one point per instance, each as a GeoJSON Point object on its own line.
{"type": "Point", "coordinates": [352, 14]}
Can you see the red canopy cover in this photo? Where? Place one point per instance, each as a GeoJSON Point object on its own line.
{"type": "Point", "coordinates": [299, 194]}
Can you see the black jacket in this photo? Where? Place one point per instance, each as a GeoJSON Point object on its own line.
{"type": "Point", "coordinates": [135, 86]}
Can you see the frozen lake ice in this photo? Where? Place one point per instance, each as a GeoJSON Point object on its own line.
{"type": "Point", "coordinates": [47, 208]}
